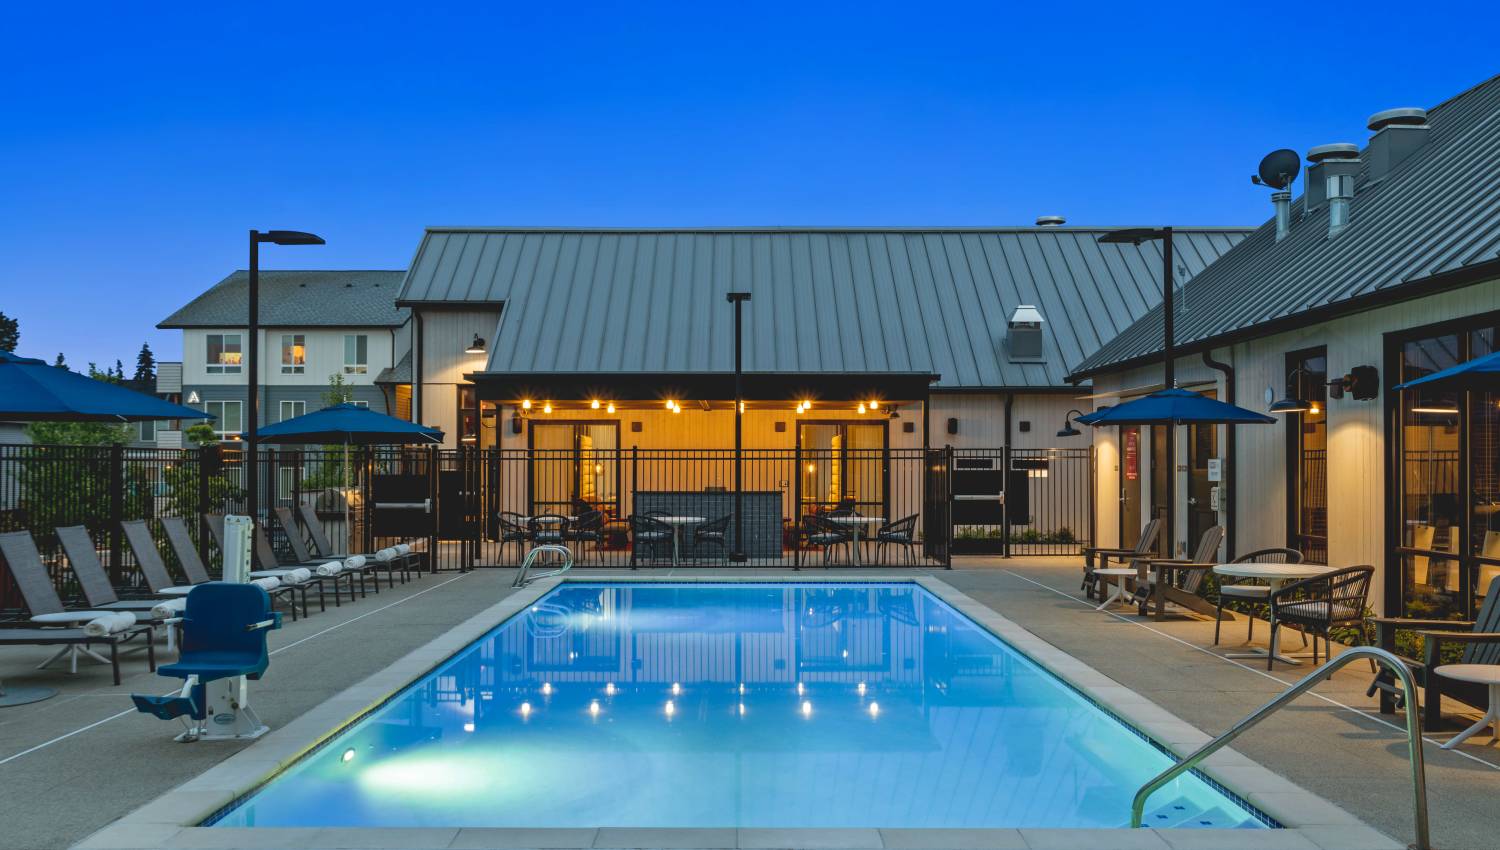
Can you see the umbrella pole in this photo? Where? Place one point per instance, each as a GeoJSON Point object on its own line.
{"type": "Point", "coordinates": [347, 535]}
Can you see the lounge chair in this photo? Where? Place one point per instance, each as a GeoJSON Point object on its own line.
{"type": "Point", "coordinates": [1163, 580]}
{"type": "Point", "coordinates": [1318, 605]}
{"type": "Point", "coordinates": [93, 580]}
{"type": "Point", "coordinates": [1480, 639]}
{"type": "Point", "coordinates": [1095, 557]}
{"type": "Point", "coordinates": [265, 564]}
{"type": "Point", "coordinates": [192, 566]}
{"type": "Point", "coordinates": [408, 563]}
{"type": "Point", "coordinates": [361, 566]}
{"type": "Point", "coordinates": [1242, 589]}
{"type": "Point", "coordinates": [148, 560]}
{"type": "Point", "coordinates": [50, 623]}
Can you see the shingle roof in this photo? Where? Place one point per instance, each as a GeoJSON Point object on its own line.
{"type": "Point", "coordinates": [397, 374]}
{"type": "Point", "coordinates": [824, 300]}
{"type": "Point", "coordinates": [298, 299]}
{"type": "Point", "coordinates": [1433, 221]}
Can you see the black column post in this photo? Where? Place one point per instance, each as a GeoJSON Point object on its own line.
{"type": "Point", "coordinates": [252, 366]}
{"type": "Point", "coordinates": [1169, 380]}
{"type": "Point", "coordinates": [738, 299]}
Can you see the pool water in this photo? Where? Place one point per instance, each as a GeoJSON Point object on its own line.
{"type": "Point", "coordinates": [735, 705]}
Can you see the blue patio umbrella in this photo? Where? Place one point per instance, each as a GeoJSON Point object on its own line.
{"type": "Point", "coordinates": [34, 390]}
{"type": "Point", "coordinates": [1177, 407]}
{"type": "Point", "coordinates": [1481, 373]}
{"type": "Point", "coordinates": [1088, 418]}
{"type": "Point", "coordinates": [349, 424]}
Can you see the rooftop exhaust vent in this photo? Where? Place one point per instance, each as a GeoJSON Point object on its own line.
{"type": "Point", "coordinates": [1050, 221]}
{"type": "Point", "coordinates": [1330, 180]}
{"type": "Point", "coordinates": [1398, 134]}
{"type": "Point", "coordinates": [1025, 335]}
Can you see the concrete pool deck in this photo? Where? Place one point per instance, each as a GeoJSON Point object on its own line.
{"type": "Point", "coordinates": [57, 792]}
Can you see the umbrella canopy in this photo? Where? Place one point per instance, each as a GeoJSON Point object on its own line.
{"type": "Point", "coordinates": [34, 390]}
{"type": "Point", "coordinates": [1088, 418]}
{"type": "Point", "coordinates": [349, 424]}
{"type": "Point", "coordinates": [1481, 373]}
{"type": "Point", "coordinates": [1178, 407]}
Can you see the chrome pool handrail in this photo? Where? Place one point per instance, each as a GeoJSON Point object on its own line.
{"type": "Point", "coordinates": [523, 575]}
{"type": "Point", "coordinates": [1413, 735]}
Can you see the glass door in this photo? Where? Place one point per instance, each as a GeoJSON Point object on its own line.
{"type": "Point", "coordinates": [843, 465]}
{"type": "Point", "coordinates": [574, 463]}
{"type": "Point", "coordinates": [1307, 455]}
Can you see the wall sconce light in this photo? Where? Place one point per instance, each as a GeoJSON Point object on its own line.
{"type": "Point", "coordinates": [1067, 430]}
{"type": "Point", "coordinates": [1292, 403]}
{"type": "Point", "coordinates": [477, 346]}
{"type": "Point", "coordinates": [515, 424]}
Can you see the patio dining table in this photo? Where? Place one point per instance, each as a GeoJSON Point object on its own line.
{"type": "Point", "coordinates": [856, 522]}
{"type": "Point", "coordinates": [1277, 576]}
{"type": "Point", "coordinates": [678, 523]}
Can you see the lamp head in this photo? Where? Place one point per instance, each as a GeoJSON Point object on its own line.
{"type": "Point", "coordinates": [477, 346]}
{"type": "Point", "coordinates": [1291, 405]}
{"type": "Point", "coordinates": [289, 237]}
{"type": "Point", "coordinates": [1133, 235]}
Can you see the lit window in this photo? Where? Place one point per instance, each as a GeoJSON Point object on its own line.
{"type": "Point", "coordinates": [293, 354]}
{"type": "Point", "coordinates": [292, 409]}
{"type": "Point", "coordinates": [227, 416]}
{"type": "Point", "coordinates": [356, 354]}
{"type": "Point", "coordinates": [223, 356]}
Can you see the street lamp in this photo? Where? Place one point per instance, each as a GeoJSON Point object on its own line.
{"type": "Point", "coordinates": [252, 355]}
{"type": "Point", "coordinates": [738, 299]}
{"type": "Point", "coordinates": [1135, 236]}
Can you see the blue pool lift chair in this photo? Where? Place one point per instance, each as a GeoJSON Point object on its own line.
{"type": "Point", "coordinates": [223, 644]}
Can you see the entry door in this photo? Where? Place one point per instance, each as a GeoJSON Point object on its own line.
{"type": "Point", "coordinates": [1203, 444]}
{"type": "Point", "coordinates": [1130, 487]}
{"type": "Point", "coordinates": [843, 461]}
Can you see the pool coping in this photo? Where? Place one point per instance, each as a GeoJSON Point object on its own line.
{"type": "Point", "coordinates": [1309, 822]}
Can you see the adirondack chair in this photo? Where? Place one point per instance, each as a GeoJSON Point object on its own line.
{"type": "Point", "coordinates": [1176, 580]}
{"type": "Point", "coordinates": [1481, 642]}
{"type": "Point", "coordinates": [1097, 558]}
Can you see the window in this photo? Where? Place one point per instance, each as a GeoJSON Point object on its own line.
{"type": "Point", "coordinates": [223, 357]}
{"type": "Point", "coordinates": [292, 409]}
{"type": "Point", "coordinates": [357, 403]}
{"type": "Point", "coordinates": [227, 418]}
{"type": "Point", "coordinates": [148, 431]}
{"type": "Point", "coordinates": [356, 354]}
{"type": "Point", "coordinates": [1307, 455]}
{"type": "Point", "coordinates": [293, 354]}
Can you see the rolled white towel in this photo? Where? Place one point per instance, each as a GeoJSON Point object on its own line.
{"type": "Point", "coordinates": [403, 548]}
{"type": "Point", "coordinates": [268, 584]}
{"type": "Point", "coordinates": [297, 576]}
{"type": "Point", "coordinates": [354, 562]}
{"type": "Point", "coordinates": [384, 556]}
{"type": "Point", "coordinates": [169, 608]}
{"type": "Point", "coordinates": [332, 568]}
{"type": "Point", "coordinates": [108, 624]}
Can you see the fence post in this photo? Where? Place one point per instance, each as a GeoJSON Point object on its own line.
{"type": "Point", "coordinates": [797, 504]}
{"type": "Point", "coordinates": [948, 509]}
{"type": "Point", "coordinates": [1005, 502]}
{"type": "Point", "coordinates": [433, 459]}
{"type": "Point", "coordinates": [206, 468]}
{"type": "Point", "coordinates": [116, 511]}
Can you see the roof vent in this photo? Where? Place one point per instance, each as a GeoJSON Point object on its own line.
{"type": "Point", "coordinates": [1398, 134]}
{"type": "Point", "coordinates": [1050, 221]}
{"type": "Point", "coordinates": [1330, 180]}
{"type": "Point", "coordinates": [1025, 335]}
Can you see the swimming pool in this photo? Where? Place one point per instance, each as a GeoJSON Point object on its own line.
{"type": "Point", "coordinates": [735, 705]}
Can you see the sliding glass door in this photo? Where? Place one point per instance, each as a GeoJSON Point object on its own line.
{"type": "Point", "coordinates": [844, 463]}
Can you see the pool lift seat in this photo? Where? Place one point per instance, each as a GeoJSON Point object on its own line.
{"type": "Point", "coordinates": [224, 630]}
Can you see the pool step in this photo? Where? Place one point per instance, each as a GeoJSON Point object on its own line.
{"type": "Point", "coordinates": [1183, 814]}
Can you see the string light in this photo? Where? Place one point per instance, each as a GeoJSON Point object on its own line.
{"type": "Point", "coordinates": [611, 408]}
{"type": "Point", "coordinates": [525, 404]}
{"type": "Point", "coordinates": [861, 407]}
{"type": "Point", "coordinates": [547, 407]}
{"type": "Point", "coordinates": [594, 404]}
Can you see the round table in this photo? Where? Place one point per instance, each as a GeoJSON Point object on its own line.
{"type": "Point", "coordinates": [678, 523]}
{"type": "Point", "coordinates": [856, 522]}
{"type": "Point", "coordinates": [1118, 593]}
{"type": "Point", "coordinates": [1277, 576]}
{"type": "Point", "coordinates": [1481, 674]}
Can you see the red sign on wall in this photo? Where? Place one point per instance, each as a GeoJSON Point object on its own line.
{"type": "Point", "coordinates": [1132, 454]}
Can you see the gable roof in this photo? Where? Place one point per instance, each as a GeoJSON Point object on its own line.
{"type": "Point", "coordinates": [1433, 222]}
{"type": "Point", "coordinates": [339, 298]}
{"type": "Point", "coordinates": [824, 300]}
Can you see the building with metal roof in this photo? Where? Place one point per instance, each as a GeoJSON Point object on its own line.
{"type": "Point", "coordinates": [298, 298]}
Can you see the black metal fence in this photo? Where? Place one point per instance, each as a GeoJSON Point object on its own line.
{"type": "Point", "coordinates": [465, 506]}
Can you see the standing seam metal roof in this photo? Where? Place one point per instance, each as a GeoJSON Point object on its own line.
{"type": "Point", "coordinates": [824, 299]}
{"type": "Point", "coordinates": [1438, 211]}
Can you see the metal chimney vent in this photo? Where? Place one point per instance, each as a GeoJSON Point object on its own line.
{"type": "Point", "coordinates": [1330, 180]}
{"type": "Point", "coordinates": [1050, 221]}
{"type": "Point", "coordinates": [1398, 134]}
{"type": "Point", "coordinates": [1024, 339]}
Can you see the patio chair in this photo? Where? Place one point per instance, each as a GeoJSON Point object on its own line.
{"type": "Point", "coordinates": [361, 567]}
{"type": "Point", "coordinates": [148, 559]}
{"type": "Point", "coordinates": [647, 533]}
{"type": "Point", "coordinates": [1480, 639]}
{"type": "Point", "coordinates": [93, 580]}
{"type": "Point", "coordinates": [409, 562]}
{"type": "Point", "coordinates": [1318, 605]}
{"type": "Point", "coordinates": [1095, 557]}
{"type": "Point", "coordinates": [49, 622]}
{"type": "Point", "coordinates": [1244, 589]}
{"type": "Point", "coordinates": [184, 549]}
{"type": "Point", "coordinates": [1163, 580]}
{"type": "Point", "coordinates": [548, 529]}
{"type": "Point", "coordinates": [903, 533]}
{"type": "Point", "coordinates": [587, 528]}
{"type": "Point", "coordinates": [512, 530]}
{"type": "Point", "coordinates": [714, 535]}
{"type": "Point", "coordinates": [264, 563]}
{"type": "Point", "coordinates": [821, 531]}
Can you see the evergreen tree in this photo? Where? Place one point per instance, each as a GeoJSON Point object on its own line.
{"type": "Point", "coordinates": [145, 367]}
{"type": "Point", "coordinates": [10, 333]}
{"type": "Point", "coordinates": [59, 362]}
{"type": "Point", "coordinates": [119, 371]}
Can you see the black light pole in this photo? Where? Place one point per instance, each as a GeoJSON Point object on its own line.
{"type": "Point", "coordinates": [252, 354]}
{"type": "Point", "coordinates": [738, 299]}
{"type": "Point", "coordinates": [1135, 236]}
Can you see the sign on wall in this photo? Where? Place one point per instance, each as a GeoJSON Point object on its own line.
{"type": "Point", "coordinates": [1132, 454]}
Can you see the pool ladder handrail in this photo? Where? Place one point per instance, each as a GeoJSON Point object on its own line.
{"type": "Point", "coordinates": [1413, 735]}
{"type": "Point", "coordinates": [524, 577]}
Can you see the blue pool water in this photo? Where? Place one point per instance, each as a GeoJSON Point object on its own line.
{"type": "Point", "coordinates": [735, 705]}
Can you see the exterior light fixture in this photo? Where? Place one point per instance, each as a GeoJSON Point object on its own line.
{"type": "Point", "coordinates": [611, 408]}
{"type": "Point", "coordinates": [477, 346]}
{"type": "Point", "coordinates": [1067, 430]}
{"type": "Point", "coordinates": [1439, 411]}
{"type": "Point", "coordinates": [670, 403]}
{"type": "Point", "coordinates": [861, 407]}
{"type": "Point", "coordinates": [525, 404]}
{"type": "Point", "coordinates": [1292, 404]}
{"type": "Point", "coordinates": [594, 404]}
{"type": "Point", "coordinates": [874, 404]}
{"type": "Point", "coordinates": [547, 407]}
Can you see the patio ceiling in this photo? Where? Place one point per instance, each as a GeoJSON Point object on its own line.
{"type": "Point", "coordinates": [652, 388]}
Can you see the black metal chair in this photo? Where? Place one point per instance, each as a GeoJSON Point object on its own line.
{"type": "Point", "coordinates": [1318, 605]}
{"type": "Point", "coordinates": [548, 529]}
{"type": "Point", "coordinates": [1095, 557]}
{"type": "Point", "coordinates": [820, 531]}
{"type": "Point", "coordinates": [512, 530]}
{"type": "Point", "coordinates": [587, 528]}
{"type": "Point", "coordinates": [714, 534]}
{"type": "Point", "coordinates": [903, 533]}
{"type": "Point", "coordinates": [648, 533]}
{"type": "Point", "coordinates": [1480, 639]}
{"type": "Point", "coordinates": [845, 507]}
{"type": "Point", "coordinates": [1243, 589]}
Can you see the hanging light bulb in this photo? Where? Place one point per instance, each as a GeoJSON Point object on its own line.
{"type": "Point", "coordinates": [874, 404]}
{"type": "Point", "coordinates": [861, 407]}
{"type": "Point", "coordinates": [611, 408]}
{"type": "Point", "coordinates": [525, 404]}
{"type": "Point", "coordinates": [670, 404]}
{"type": "Point", "coordinates": [594, 404]}
{"type": "Point", "coordinates": [547, 407]}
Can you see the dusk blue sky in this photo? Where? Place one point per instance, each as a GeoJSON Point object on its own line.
{"type": "Point", "coordinates": [137, 150]}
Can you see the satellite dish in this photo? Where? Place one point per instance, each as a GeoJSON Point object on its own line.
{"type": "Point", "coordinates": [1278, 169]}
